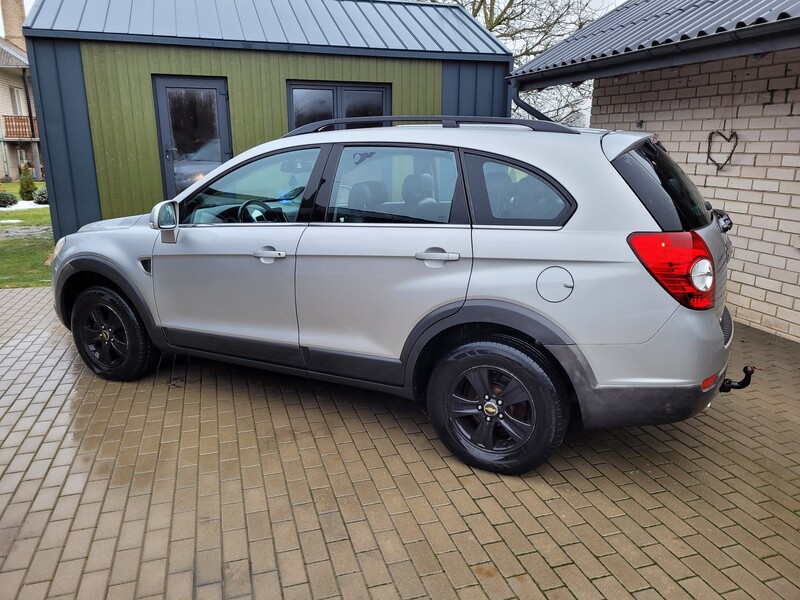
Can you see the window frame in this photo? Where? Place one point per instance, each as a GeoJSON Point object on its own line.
{"type": "Point", "coordinates": [309, 194]}
{"type": "Point", "coordinates": [18, 104]}
{"type": "Point", "coordinates": [556, 223]}
{"type": "Point", "coordinates": [459, 211]}
{"type": "Point", "coordinates": [338, 88]}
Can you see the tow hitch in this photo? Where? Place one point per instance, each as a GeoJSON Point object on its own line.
{"type": "Point", "coordinates": [729, 384]}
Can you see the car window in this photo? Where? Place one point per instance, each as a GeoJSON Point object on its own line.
{"type": "Point", "coordinates": [506, 194]}
{"type": "Point", "coordinates": [266, 190]}
{"type": "Point", "coordinates": [379, 184]}
{"type": "Point", "coordinates": [666, 191]}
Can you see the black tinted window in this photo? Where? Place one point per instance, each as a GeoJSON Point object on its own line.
{"type": "Point", "coordinates": [666, 191]}
{"type": "Point", "coordinates": [504, 194]}
{"type": "Point", "coordinates": [380, 184]}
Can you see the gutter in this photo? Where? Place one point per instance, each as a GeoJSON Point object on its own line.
{"type": "Point", "coordinates": [524, 105]}
{"type": "Point", "coordinates": [28, 102]}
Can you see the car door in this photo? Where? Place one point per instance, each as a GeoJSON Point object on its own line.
{"type": "Point", "coordinates": [390, 247]}
{"type": "Point", "coordinates": [226, 285]}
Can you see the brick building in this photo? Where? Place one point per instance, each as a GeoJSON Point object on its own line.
{"type": "Point", "coordinates": [19, 135]}
{"type": "Point", "coordinates": [723, 95]}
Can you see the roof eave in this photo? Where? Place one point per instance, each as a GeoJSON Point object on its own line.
{"type": "Point", "coordinates": [770, 37]}
{"type": "Point", "coordinates": [264, 46]}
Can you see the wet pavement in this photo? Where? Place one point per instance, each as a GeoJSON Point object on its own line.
{"type": "Point", "coordinates": [208, 480]}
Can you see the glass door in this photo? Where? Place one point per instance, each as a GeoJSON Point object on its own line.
{"type": "Point", "coordinates": [193, 129]}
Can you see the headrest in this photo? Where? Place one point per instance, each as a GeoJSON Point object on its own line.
{"type": "Point", "coordinates": [366, 195]}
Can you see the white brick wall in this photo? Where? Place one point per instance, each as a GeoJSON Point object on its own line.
{"type": "Point", "coordinates": [759, 99]}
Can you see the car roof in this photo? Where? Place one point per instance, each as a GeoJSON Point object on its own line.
{"type": "Point", "coordinates": [478, 136]}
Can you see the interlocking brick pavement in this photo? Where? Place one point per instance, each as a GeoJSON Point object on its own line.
{"type": "Point", "coordinates": [212, 481]}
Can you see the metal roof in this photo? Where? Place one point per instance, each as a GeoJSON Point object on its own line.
{"type": "Point", "coordinates": [649, 34]}
{"type": "Point", "coordinates": [11, 56]}
{"type": "Point", "coordinates": [375, 27]}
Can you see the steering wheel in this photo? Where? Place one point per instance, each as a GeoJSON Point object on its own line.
{"type": "Point", "coordinates": [243, 215]}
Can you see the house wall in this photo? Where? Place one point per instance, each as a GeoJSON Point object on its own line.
{"type": "Point", "coordinates": [60, 93]}
{"type": "Point", "coordinates": [9, 159]}
{"type": "Point", "coordinates": [759, 99]}
{"type": "Point", "coordinates": [122, 114]}
{"type": "Point", "coordinates": [8, 154]}
{"type": "Point", "coordinates": [10, 78]}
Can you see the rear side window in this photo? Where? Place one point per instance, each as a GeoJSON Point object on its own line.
{"type": "Point", "coordinates": [666, 191]}
{"type": "Point", "coordinates": [507, 194]}
{"type": "Point", "coordinates": [383, 184]}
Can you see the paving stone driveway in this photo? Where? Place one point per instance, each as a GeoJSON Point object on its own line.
{"type": "Point", "coordinates": [212, 481]}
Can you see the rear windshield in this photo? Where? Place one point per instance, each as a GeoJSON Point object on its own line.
{"type": "Point", "coordinates": [663, 187]}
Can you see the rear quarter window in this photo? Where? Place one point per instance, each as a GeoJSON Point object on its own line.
{"type": "Point", "coordinates": [509, 194]}
{"type": "Point", "coordinates": [665, 190]}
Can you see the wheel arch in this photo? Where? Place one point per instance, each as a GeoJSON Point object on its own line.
{"type": "Point", "coordinates": [87, 272]}
{"type": "Point", "coordinates": [476, 320]}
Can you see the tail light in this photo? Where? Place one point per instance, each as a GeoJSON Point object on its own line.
{"type": "Point", "coordinates": [681, 263]}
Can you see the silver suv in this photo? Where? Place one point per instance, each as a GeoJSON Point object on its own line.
{"type": "Point", "coordinates": [508, 273]}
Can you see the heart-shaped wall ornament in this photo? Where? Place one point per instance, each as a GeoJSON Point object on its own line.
{"type": "Point", "coordinates": [721, 148]}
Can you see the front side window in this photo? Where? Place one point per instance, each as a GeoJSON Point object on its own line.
{"type": "Point", "coordinates": [506, 194]}
{"type": "Point", "coordinates": [266, 190]}
{"type": "Point", "coordinates": [379, 184]}
{"type": "Point", "coordinates": [311, 102]}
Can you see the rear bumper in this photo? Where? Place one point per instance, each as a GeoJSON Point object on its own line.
{"type": "Point", "coordinates": [652, 383]}
{"type": "Point", "coordinates": [625, 407]}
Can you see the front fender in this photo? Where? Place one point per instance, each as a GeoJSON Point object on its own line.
{"type": "Point", "coordinates": [85, 266]}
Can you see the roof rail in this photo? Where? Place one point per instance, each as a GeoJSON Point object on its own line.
{"type": "Point", "coordinates": [446, 121]}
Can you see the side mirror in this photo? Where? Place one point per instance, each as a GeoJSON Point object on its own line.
{"type": "Point", "coordinates": [164, 217]}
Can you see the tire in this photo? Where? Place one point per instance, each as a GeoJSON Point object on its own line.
{"type": "Point", "coordinates": [110, 336]}
{"type": "Point", "coordinates": [522, 422]}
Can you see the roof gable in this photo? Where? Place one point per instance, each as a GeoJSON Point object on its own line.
{"type": "Point", "coordinates": [648, 34]}
{"type": "Point", "coordinates": [11, 56]}
{"type": "Point", "coordinates": [346, 26]}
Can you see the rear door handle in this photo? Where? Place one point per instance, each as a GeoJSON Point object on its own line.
{"type": "Point", "coordinates": [269, 254]}
{"type": "Point", "coordinates": [447, 256]}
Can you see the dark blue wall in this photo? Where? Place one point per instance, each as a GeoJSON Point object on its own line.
{"type": "Point", "coordinates": [61, 108]}
{"type": "Point", "coordinates": [476, 88]}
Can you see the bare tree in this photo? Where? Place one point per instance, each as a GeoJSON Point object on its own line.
{"type": "Point", "coordinates": [528, 28]}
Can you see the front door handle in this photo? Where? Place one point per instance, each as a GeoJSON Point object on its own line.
{"type": "Point", "coordinates": [269, 254]}
{"type": "Point", "coordinates": [446, 256]}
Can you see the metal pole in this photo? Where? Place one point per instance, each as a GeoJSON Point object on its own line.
{"type": "Point", "coordinates": [37, 169]}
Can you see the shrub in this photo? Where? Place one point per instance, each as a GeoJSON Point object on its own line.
{"type": "Point", "coordinates": [26, 185]}
{"type": "Point", "coordinates": [40, 195]}
{"type": "Point", "coordinates": [7, 199]}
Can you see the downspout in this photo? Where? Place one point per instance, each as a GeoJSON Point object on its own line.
{"type": "Point", "coordinates": [34, 148]}
{"type": "Point", "coordinates": [524, 105]}
{"type": "Point", "coordinates": [5, 157]}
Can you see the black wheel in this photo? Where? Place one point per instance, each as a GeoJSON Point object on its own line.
{"type": "Point", "coordinates": [110, 337]}
{"type": "Point", "coordinates": [498, 407]}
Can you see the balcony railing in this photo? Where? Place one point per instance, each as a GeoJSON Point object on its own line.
{"type": "Point", "coordinates": [18, 127]}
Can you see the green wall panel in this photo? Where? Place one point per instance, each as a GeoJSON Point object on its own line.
{"type": "Point", "coordinates": [119, 91]}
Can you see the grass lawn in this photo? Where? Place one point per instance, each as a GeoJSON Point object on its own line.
{"type": "Point", "coordinates": [13, 187]}
{"type": "Point", "coordinates": [22, 257]}
{"type": "Point", "coordinates": [22, 261]}
{"type": "Point", "coordinates": [30, 217]}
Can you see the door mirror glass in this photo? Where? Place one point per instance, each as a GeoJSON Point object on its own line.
{"type": "Point", "coordinates": [164, 215]}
